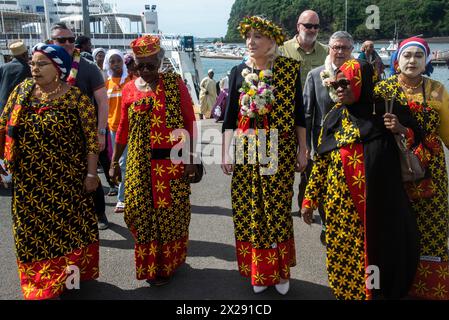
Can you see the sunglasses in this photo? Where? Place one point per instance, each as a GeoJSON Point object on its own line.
{"type": "Point", "coordinates": [65, 39]}
{"type": "Point", "coordinates": [311, 25]}
{"type": "Point", "coordinates": [342, 83]}
{"type": "Point", "coordinates": [148, 66]}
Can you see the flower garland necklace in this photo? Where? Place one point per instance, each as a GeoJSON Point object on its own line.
{"type": "Point", "coordinates": [257, 93]}
{"type": "Point", "coordinates": [71, 80]}
{"type": "Point", "coordinates": [327, 77]}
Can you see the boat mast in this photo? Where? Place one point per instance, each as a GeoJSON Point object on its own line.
{"type": "Point", "coordinates": [47, 20]}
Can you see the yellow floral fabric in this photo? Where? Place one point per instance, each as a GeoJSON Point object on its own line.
{"type": "Point", "coordinates": [431, 208]}
{"type": "Point", "coordinates": [53, 217]}
{"type": "Point", "coordinates": [261, 203]}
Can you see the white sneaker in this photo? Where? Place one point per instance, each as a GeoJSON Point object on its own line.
{"type": "Point", "coordinates": [283, 288]}
{"type": "Point", "coordinates": [259, 289]}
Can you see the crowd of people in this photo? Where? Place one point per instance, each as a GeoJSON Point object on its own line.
{"type": "Point", "coordinates": [370, 152]}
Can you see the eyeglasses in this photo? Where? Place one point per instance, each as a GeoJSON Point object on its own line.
{"type": "Point", "coordinates": [342, 83]}
{"type": "Point", "coordinates": [148, 66]}
{"type": "Point", "coordinates": [341, 48]}
{"type": "Point", "coordinates": [39, 64]}
{"type": "Point", "coordinates": [310, 26]}
{"type": "Point", "coordinates": [63, 40]}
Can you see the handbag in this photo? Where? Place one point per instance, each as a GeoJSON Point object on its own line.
{"type": "Point", "coordinates": [199, 172]}
{"type": "Point", "coordinates": [411, 167]}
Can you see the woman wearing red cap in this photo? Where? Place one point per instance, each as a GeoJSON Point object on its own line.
{"type": "Point", "coordinates": [429, 102]}
{"type": "Point", "coordinates": [371, 232]}
{"type": "Point", "coordinates": [157, 190]}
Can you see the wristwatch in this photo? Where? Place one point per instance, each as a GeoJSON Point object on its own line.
{"type": "Point", "coordinates": [102, 131]}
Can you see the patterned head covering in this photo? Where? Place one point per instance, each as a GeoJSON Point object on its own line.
{"type": "Point", "coordinates": [107, 66]}
{"type": "Point", "coordinates": [353, 72]}
{"type": "Point", "coordinates": [265, 26]}
{"type": "Point", "coordinates": [412, 42]}
{"type": "Point", "coordinates": [57, 54]}
{"type": "Point", "coordinates": [146, 46]}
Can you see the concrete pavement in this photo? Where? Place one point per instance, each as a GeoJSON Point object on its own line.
{"type": "Point", "coordinates": [211, 269]}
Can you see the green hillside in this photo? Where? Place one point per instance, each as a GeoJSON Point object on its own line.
{"type": "Point", "coordinates": [427, 17]}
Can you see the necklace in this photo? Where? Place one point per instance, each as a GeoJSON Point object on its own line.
{"type": "Point", "coordinates": [46, 94]}
{"type": "Point", "coordinates": [410, 89]}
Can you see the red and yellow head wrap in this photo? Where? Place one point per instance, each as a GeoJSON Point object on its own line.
{"type": "Point", "coordinates": [353, 72]}
{"type": "Point", "coordinates": [264, 26]}
{"type": "Point", "coordinates": [146, 46]}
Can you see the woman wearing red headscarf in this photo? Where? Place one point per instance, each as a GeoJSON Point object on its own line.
{"type": "Point", "coordinates": [371, 231]}
{"type": "Point", "coordinates": [428, 101]}
{"type": "Point", "coordinates": [157, 190]}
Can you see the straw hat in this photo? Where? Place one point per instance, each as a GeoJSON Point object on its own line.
{"type": "Point", "coordinates": [17, 48]}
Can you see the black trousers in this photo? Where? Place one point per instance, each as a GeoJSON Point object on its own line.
{"type": "Point", "coordinates": [99, 202]}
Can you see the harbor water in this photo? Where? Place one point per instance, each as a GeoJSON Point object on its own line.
{"type": "Point", "coordinates": [222, 66]}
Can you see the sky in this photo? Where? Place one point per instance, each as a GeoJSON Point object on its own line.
{"type": "Point", "coordinates": [201, 18]}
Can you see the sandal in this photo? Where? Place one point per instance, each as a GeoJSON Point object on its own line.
{"type": "Point", "coordinates": [120, 207]}
{"type": "Point", "coordinates": [112, 192]}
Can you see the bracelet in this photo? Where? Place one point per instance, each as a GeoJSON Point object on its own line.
{"type": "Point", "coordinates": [90, 175]}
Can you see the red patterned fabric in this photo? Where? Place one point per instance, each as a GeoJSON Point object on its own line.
{"type": "Point", "coordinates": [431, 281]}
{"type": "Point", "coordinates": [266, 266]}
{"type": "Point", "coordinates": [146, 46]}
{"type": "Point", "coordinates": [46, 279]}
{"type": "Point", "coordinates": [353, 72]}
{"type": "Point", "coordinates": [170, 256]}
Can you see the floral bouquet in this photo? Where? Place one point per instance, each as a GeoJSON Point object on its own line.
{"type": "Point", "coordinates": [327, 80]}
{"type": "Point", "coordinates": [256, 94]}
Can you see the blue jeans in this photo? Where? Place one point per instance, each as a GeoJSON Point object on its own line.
{"type": "Point", "coordinates": [122, 164]}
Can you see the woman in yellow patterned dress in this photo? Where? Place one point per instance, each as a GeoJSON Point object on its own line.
{"type": "Point", "coordinates": [50, 145]}
{"type": "Point", "coordinates": [157, 209]}
{"type": "Point", "coordinates": [371, 231]}
{"type": "Point", "coordinates": [262, 191]}
{"type": "Point", "coordinates": [429, 102]}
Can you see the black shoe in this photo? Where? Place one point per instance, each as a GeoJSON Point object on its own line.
{"type": "Point", "coordinates": [323, 237]}
{"type": "Point", "coordinates": [103, 222]}
{"type": "Point", "coordinates": [159, 281]}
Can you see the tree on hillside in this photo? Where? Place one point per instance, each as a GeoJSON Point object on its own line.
{"type": "Point", "coordinates": [412, 17]}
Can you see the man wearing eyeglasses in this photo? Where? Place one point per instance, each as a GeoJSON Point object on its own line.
{"type": "Point", "coordinates": [90, 81]}
{"type": "Point", "coordinates": [304, 47]}
{"type": "Point", "coordinates": [319, 99]}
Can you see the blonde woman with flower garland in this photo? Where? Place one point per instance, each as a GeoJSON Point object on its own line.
{"type": "Point", "coordinates": [265, 96]}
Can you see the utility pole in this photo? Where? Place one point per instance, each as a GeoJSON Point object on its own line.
{"type": "Point", "coordinates": [47, 20]}
{"type": "Point", "coordinates": [86, 20]}
{"type": "Point", "coordinates": [346, 15]}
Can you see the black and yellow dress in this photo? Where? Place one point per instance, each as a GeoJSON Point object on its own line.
{"type": "Point", "coordinates": [157, 209]}
{"type": "Point", "coordinates": [54, 222]}
{"type": "Point", "coordinates": [262, 191]}
{"type": "Point", "coordinates": [429, 196]}
{"type": "Point", "coordinates": [371, 232]}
